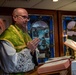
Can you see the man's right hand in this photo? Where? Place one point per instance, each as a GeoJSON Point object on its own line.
{"type": "Point", "coordinates": [33, 44]}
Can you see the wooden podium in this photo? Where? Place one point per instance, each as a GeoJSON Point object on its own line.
{"type": "Point", "coordinates": [61, 69]}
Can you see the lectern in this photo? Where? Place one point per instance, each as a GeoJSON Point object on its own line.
{"type": "Point", "coordinates": [60, 67]}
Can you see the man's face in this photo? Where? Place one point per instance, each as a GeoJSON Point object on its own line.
{"type": "Point", "coordinates": [2, 26]}
{"type": "Point", "coordinates": [22, 18]}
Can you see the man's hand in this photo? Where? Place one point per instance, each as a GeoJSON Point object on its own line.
{"type": "Point", "coordinates": [33, 44]}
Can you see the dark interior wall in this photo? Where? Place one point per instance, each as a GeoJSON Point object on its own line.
{"type": "Point", "coordinates": [6, 10]}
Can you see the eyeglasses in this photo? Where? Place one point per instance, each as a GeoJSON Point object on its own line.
{"type": "Point", "coordinates": [24, 17]}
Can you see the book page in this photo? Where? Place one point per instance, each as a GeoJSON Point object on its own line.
{"type": "Point", "coordinates": [54, 63]}
{"type": "Point", "coordinates": [70, 43]}
{"type": "Point", "coordinates": [57, 59]}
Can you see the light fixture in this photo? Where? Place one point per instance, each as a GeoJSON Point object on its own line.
{"type": "Point", "coordinates": [55, 0]}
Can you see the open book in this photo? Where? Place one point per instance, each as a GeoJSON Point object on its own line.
{"type": "Point", "coordinates": [53, 66]}
{"type": "Point", "coordinates": [70, 43]}
{"type": "Point", "coordinates": [55, 59]}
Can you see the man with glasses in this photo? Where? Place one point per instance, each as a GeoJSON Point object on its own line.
{"type": "Point", "coordinates": [18, 52]}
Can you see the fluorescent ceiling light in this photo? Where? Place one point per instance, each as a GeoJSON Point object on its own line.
{"type": "Point", "coordinates": [55, 0]}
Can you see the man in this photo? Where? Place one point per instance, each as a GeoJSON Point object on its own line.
{"type": "Point", "coordinates": [2, 26]}
{"type": "Point", "coordinates": [18, 52]}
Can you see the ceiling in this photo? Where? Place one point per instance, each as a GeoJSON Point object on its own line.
{"type": "Point", "coordinates": [66, 5]}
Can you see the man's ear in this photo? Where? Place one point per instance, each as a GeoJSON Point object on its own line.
{"type": "Point", "coordinates": [14, 17]}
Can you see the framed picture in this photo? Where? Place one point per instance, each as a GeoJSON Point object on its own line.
{"type": "Point", "coordinates": [67, 30]}
{"type": "Point", "coordinates": [42, 26]}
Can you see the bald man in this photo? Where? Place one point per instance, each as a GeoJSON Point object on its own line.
{"type": "Point", "coordinates": [18, 51]}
